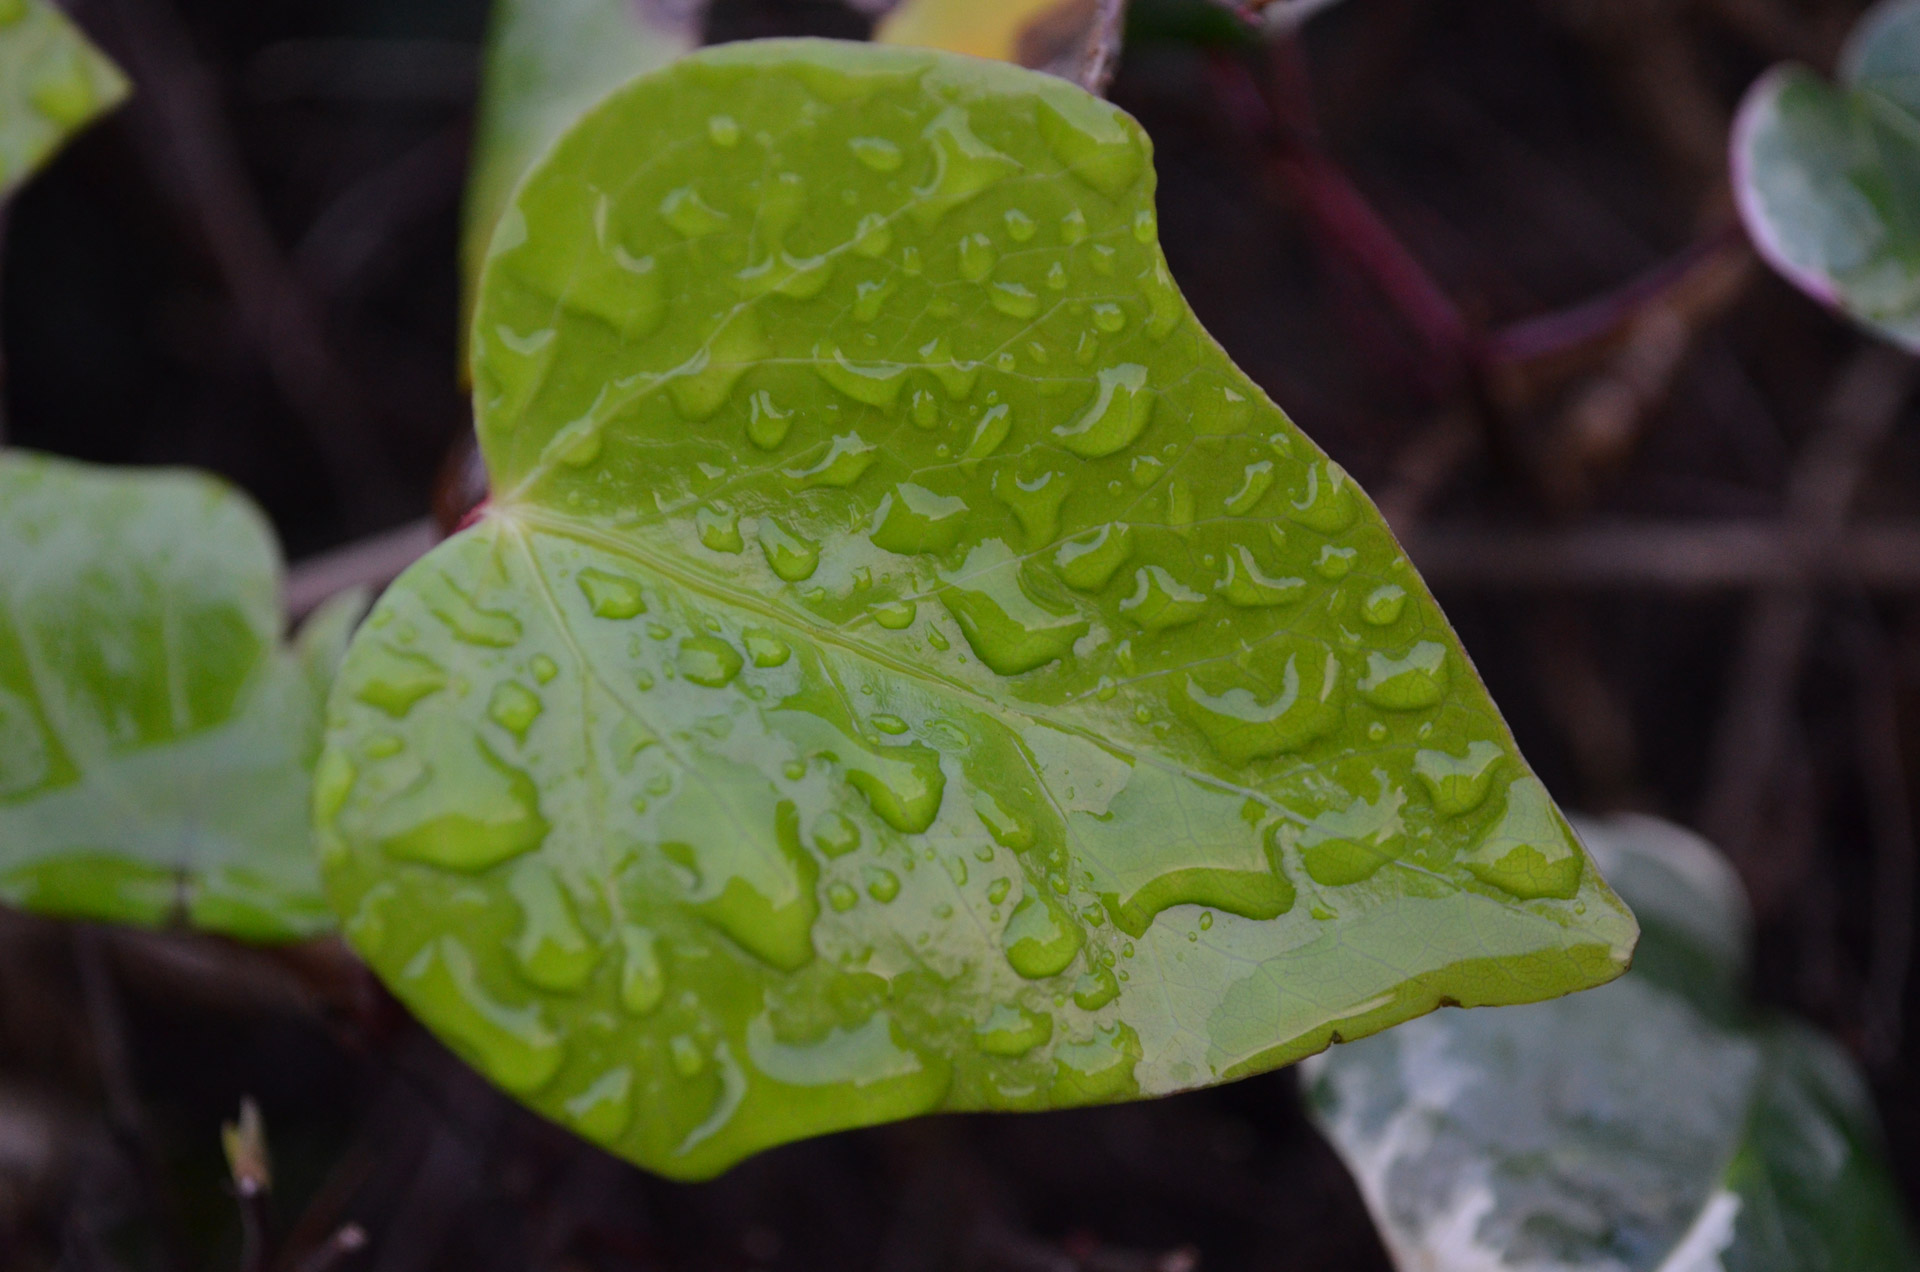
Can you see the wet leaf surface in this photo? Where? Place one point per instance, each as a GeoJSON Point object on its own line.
{"type": "Point", "coordinates": [156, 739]}
{"type": "Point", "coordinates": [53, 83]}
{"type": "Point", "coordinates": [906, 666]}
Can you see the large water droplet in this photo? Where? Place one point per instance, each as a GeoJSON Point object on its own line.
{"type": "Point", "coordinates": [913, 519]}
{"type": "Point", "coordinates": [513, 1046]}
{"type": "Point", "coordinates": [753, 879]}
{"type": "Point", "coordinates": [688, 213]}
{"type": "Point", "coordinates": [470, 622]}
{"type": "Point", "coordinates": [1529, 853]}
{"type": "Point", "coordinates": [1099, 1071]}
{"type": "Point", "coordinates": [1326, 502]}
{"type": "Point", "coordinates": [603, 1110]}
{"type": "Point", "coordinates": [470, 811]}
{"type": "Point", "coordinates": [876, 153]}
{"type": "Point", "coordinates": [963, 166]}
{"type": "Point", "coordinates": [1009, 630]}
{"type": "Point", "coordinates": [904, 784]}
{"type": "Point", "coordinates": [834, 834]}
{"type": "Point", "coordinates": [1035, 502]}
{"type": "Point", "coordinates": [719, 529]}
{"type": "Point", "coordinates": [1092, 139]}
{"type": "Point", "coordinates": [1089, 561]}
{"type": "Point", "coordinates": [393, 680]}
{"type": "Point", "coordinates": [1347, 845]}
{"type": "Point", "coordinates": [551, 950]}
{"type": "Point", "coordinates": [643, 982]}
{"type": "Point", "coordinates": [1414, 680]}
{"type": "Point", "coordinates": [1240, 727]}
{"type": "Point", "coordinates": [882, 884]}
{"type": "Point", "coordinates": [873, 236]}
{"type": "Point", "coordinates": [1244, 584]}
{"type": "Point", "coordinates": [1160, 601]}
{"type": "Point", "coordinates": [1253, 487]}
{"type": "Point", "coordinates": [1042, 937]}
{"type": "Point", "coordinates": [848, 456]}
{"type": "Point", "coordinates": [1013, 1031]}
{"type": "Point", "coordinates": [611, 595]}
{"type": "Point", "coordinates": [766, 649]}
{"type": "Point", "coordinates": [1095, 989]}
{"type": "Point", "coordinates": [1117, 415]}
{"type": "Point", "coordinates": [989, 433]}
{"type": "Point", "coordinates": [767, 424]}
{"type": "Point", "coordinates": [514, 708]}
{"type": "Point", "coordinates": [1383, 605]}
{"type": "Point", "coordinates": [976, 257]}
{"type": "Point", "coordinates": [791, 557]}
{"type": "Point", "coordinates": [1015, 300]}
{"type": "Point", "coordinates": [723, 131]}
{"type": "Point", "coordinates": [1458, 784]}
{"type": "Point", "coordinates": [955, 376]}
{"type": "Point", "coordinates": [701, 385]}
{"type": "Point", "coordinates": [875, 383]}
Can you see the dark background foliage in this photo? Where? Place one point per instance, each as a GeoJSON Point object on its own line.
{"type": "Point", "coordinates": [251, 269]}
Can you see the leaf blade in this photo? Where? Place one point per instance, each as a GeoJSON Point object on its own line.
{"type": "Point", "coordinates": [55, 84]}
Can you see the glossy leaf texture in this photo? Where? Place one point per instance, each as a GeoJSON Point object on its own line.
{"type": "Point", "coordinates": [1827, 176]}
{"type": "Point", "coordinates": [1650, 1124]}
{"type": "Point", "coordinates": [156, 740]}
{"type": "Point", "coordinates": [53, 83]}
{"type": "Point", "coordinates": [546, 62]}
{"type": "Point", "coordinates": [1077, 40]}
{"type": "Point", "coordinates": [905, 665]}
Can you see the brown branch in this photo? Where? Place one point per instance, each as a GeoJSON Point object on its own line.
{"type": "Point", "coordinates": [1859, 413]}
{"type": "Point", "coordinates": [372, 562]}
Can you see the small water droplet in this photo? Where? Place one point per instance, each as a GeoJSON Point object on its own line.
{"type": "Point", "coordinates": [876, 153]}
{"type": "Point", "coordinates": [719, 529]}
{"type": "Point", "coordinates": [544, 668]}
{"type": "Point", "coordinates": [688, 1059]}
{"type": "Point", "coordinates": [895, 615]}
{"type": "Point", "coordinates": [514, 708]}
{"type": "Point", "coordinates": [989, 433]}
{"type": "Point", "coordinates": [835, 834]}
{"type": "Point", "coordinates": [1414, 680]}
{"type": "Point", "coordinates": [1088, 561]}
{"type": "Point", "coordinates": [1041, 938]}
{"type": "Point", "coordinates": [708, 660]}
{"type": "Point", "coordinates": [891, 725]}
{"type": "Point", "coordinates": [842, 897]}
{"type": "Point", "coordinates": [1160, 601]}
{"type": "Point", "coordinates": [882, 884]}
{"type": "Point", "coordinates": [1335, 563]}
{"type": "Point", "coordinates": [1013, 1031]}
{"type": "Point", "coordinates": [976, 257]}
{"type": "Point", "coordinates": [687, 212]}
{"type": "Point", "coordinates": [913, 519]}
{"type": "Point", "coordinates": [723, 131]}
{"type": "Point", "coordinates": [1246, 586]}
{"type": "Point", "coordinates": [791, 557]}
{"type": "Point", "coordinates": [873, 236]}
{"type": "Point", "coordinates": [1109, 317]}
{"type": "Point", "coordinates": [611, 595]}
{"type": "Point", "coordinates": [1384, 604]}
{"type": "Point", "coordinates": [848, 457]}
{"type": "Point", "coordinates": [1073, 226]}
{"type": "Point", "coordinates": [1014, 300]}
{"type": "Point", "coordinates": [1117, 415]}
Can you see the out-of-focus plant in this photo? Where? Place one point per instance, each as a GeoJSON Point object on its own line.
{"type": "Point", "coordinates": [52, 84]}
{"type": "Point", "coordinates": [1828, 175]}
{"type": "Point", "coordinates": [1657, 1123]}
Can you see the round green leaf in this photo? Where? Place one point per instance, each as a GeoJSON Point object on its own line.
{"type": "Point", "coordinates": [1828, 177]}
{"type": "Point", "coordinates": [905, 665]}
{"type": "Point", "coordinates": [53, 83]}
{"type": "Point", "coordinates": [156, 742]}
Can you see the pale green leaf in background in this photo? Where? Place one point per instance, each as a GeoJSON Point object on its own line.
{"type": "Point", "coordinates": [905, 665]}
{"type": "Point", "coordinates": [156, 739]}
{"type": "Point", "coordinates": [546, 61]}
{"type": "Point", "coordinates": [1648, 1126]}
{"type": "Point", "coordinates": [53, 83]}
{"type": "Point", "coordinates": [1827, 177]}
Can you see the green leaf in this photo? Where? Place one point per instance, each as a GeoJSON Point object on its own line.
{"type": "Point", "coordinates": [905, 665]}
{"type": "Point", "coordinates": [1828, 177]}
{"type": "Point", "coordinates": [1647, 1125]}
{"type": "Point", "coordinates": [156, 742]}
{"type": "Point", "coordinates": [53, 83]}
{"type": "Point", "coordinates": [547, 61]}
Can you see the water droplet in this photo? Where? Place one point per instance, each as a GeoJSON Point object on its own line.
{"type": "Point", "coordinates": [895, 615]}
{"type": "Point", "coordinates": [1241, 727]}
{"type": "Point", "coordinates": [963, 166]}
{"type": "Point", "coordinates": [912, 519]}
{"type": "Point", "coordinates": [550, 950]}
{"type": "Point", "coordinates": [723, 131]}
{"type": "Point", "coordinates": [873, 236]}
{"type": "Point", "coordinates": [1009, 829]}
{"type": "Point", "coordinates": [1035, 502]}
{"type": "Point", "coordinates": [1014, 300]}
{"type": "Point", "coordinates": [1073, 226]}
{"type": "Point", "coordinates": [719, 529]}
{"type": "Point", "coordinates": [708, 660]}
{"type": "Point", "coordinates": [1458, 784]}
{"type": "Point", "coordinates": [602, 1111]}
{"type": "Point", "coordinates": [470, 622]}
{"type": "Point", "coordinates": [875, 384]}
{"type": "Point", "coordinates": [1347, 845]}
{"type": "Point", "coordinates": [848, 457]}
{"type": "Point", "coordinates": [1326, 503]}
{"type": "Point", "coordinates": [882, 884]}
{"type": "Point", "coordinates": [1092, 139]}
{"type": "Point", "coordinates": [688, 213]}
{"type": "Point", "coordinates": [688, 1059]}
{"type": "Point", "coordinates": [1383, 605]}
{"type": "Point", "coordinates": [877, 153]}
{"type": "Point", "coordinates": [891, 725]}
{"type": "Point", "coordinates": [1164, 306]}
{"type": "Point", "coordinates": [765, 649]}
{"type": "Point", "coordinates": [842, 897]}
{"type": "Point", "coordinates": [791, 557]}
{"type": "Point", "coordinates": [925, 412]}
{"type": "Point", "coordinates": [1007, 628]}
{"type": "Point", "coordinates": [1253, 488]}
{"type": "Point", "coordinates": [801, 278]}
{"type": "Point", "coordinates": [1377, 731]}
{"type": "Point", "coordinates": [938, 639]}
{"type": "Point", "coordinates": [1041, 938]}
{"type": "Point", "coordinates": [1414, 680]}
{"type": "Point", "coordinates": [611, 595]}
{"type": "Point", "coordinates": [1117, 415]}
{"type": "Point", "coordinates": [834, 834]}
{"type": "Point", "coordinates": [514, 708]}
{"type": "Point", "coordinates": [394, 680]}
{"type": "Point", "coordinates": [903, 784]}
{"type": "Point", "coordinates": [1088, 561]}
{"type": "Point", "coordinates": [382, 746]}
{"type": "Point", "coordinates": [767, 424]}
{"type": "Point", "coordinates": [1528, 853]}
{"type": "Point", "coordinates": [1109, 317]}
{"type": "Point", "coordinates": [1013, 1031]}
{"type": "Point", "coordinates": [1335, 563]}
{"type": "Point", "coordinates": [1095, 989]}
{"type": "Point", "coordinates": [701, 385]}
{"type": "Point", "coordinates": [989, 433]}
{"type": "Point", "coordinates": [976, 257]}
{"type": "Point", "coordinates": [544, 668]}
{"type": "Point", "coordinates": [1144, 226]}
{"type": "Point", "coordinates": [1244, 584]}
{"type": "Point", "coordinates": [868, 298]}
{"type": "Point", "coordinates": [513, 1046]}
{"type": "Point", "coordinates": [1160, 601]}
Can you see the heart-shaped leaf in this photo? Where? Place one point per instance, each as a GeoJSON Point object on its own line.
{"type": "Point", "coordinates": [52, 84]}
{"type": "Point", "coordinates": [156, 742]}
{"type": "Point", "coordinates": [1828, 177]}
{"type": "Point", "coordinates": [1647, 1125]}
{"type": "Point", "coordinates": [548, 60]}
{"type": "Point", "coordinates": [905, 664]}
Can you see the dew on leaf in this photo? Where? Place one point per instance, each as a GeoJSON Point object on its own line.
{"type": "Point", "coordinates": [611, 595]}
{"type": "Point", "coordinates": [1041, 937]}
{"type": "Point", "coordinates": [1118, 414]}
{"type": "Point", "coordinates": [1159, 601]}
{"type": "Point", "coordinates": [1414, 680]}
{"type": "Point", "coordinates": [1013, 1031]}
{"type": "Point", "coordinates": [708, 660]}
{"type": "Point", "coordinates": [791, 557]}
